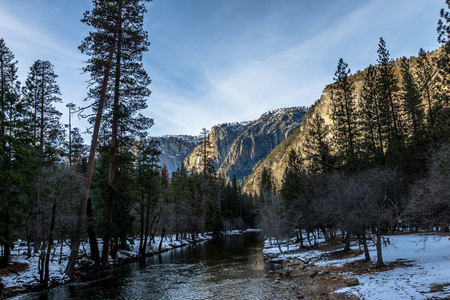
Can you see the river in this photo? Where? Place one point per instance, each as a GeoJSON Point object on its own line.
{"type": "Point", "coordinates": [231, 268]}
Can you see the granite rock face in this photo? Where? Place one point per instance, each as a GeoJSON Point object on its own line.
{"type": "Point", "coordinates": [174, 150]}
{"type": "Point", "coordinates": [276, 162]}
{"type": "Point", "coordinates": [238, 148]}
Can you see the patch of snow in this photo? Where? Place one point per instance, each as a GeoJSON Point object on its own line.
{"type": "Point", "coordinates": [430, 259]}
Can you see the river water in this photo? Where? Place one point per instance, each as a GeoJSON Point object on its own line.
{"type": "Point", "coordinates": [231, 268]}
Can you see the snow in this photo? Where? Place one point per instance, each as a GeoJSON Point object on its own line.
{"type": "Point", "coordinates": [426, 263]}
{"type": "Point", "coordinates": [30, 277]}
{"type": "Point", "coordinates": [430, 259]}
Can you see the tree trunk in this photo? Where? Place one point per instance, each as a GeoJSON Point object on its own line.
{"type": "Point", "coordinates": [141, 233]}
{"type": "Point", "coordinates": [347, 242]}
{"type": "Point", "coordinates": [363, 240]}
{"type": "Point", "coordinates": [75, 245]}
{"type": "Point", "coordinates": [113, 149]}
{"type": "Point", "coordinates": [50, 245]}
{"type": "Point", "coordinates": [95, 253]}
{"type": "Point", "coordinates": [7, 243]}
{"type": "Point", "coordinates": [380, 262]}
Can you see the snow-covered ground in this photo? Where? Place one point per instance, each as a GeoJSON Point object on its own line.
{"type": "Point", "coordinates": [431, 266]}
{"type": "Point", "coordinates": [427, 264]}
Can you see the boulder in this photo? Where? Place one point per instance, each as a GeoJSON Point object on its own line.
{"type": "Point", "coordinates": [436, 288]}
{"type": "Point", "coordinates": [352, 281]}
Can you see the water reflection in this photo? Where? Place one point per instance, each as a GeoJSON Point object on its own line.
{"type": "Point", "coordinates": [232, 268]}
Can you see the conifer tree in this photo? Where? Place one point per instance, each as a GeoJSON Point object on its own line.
{"type": "Point", "coordinates": [317, 146]}
{"type": "Point", "coordinates": [389, 105]}
{"type": "Point", "coordinates": [425, 74]}
{"type": "Point", "coordinates": [41, 92]}
{"type": "Point", "coordinates": [102, 65]}
{"type": "Point", "coordinates": [119, 26]}
{"type": "Point", "coordinates": [207, 172]}
{"type": "Point", "coordinates": [412, 104]}
{"type": "Point", "coordinates": [13, 149]}
{"type": "Point", "coordinates": [370, 116]}
{"type": "Point", "coordinates": [442, 104]}
{"type": "Point", "coordinates": [267, 184]}
{"type": "Point", "coordinates": [344, 117]}
{"type": "Point", "coordinates": [78, 149]}
{"type": "Point", "coordinates": [293, 178]}
{"type": "Point", "coordinates": [204, 154]}
{"type": "Point", "coordinates": [149, 188]}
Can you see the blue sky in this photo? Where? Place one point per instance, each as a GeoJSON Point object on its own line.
{"type": "Point", "coordinates": [216, 61]}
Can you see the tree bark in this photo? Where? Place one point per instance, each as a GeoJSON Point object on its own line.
{"type": "Point", "coordinates": [75, 245]}
{"type": "Point", "coordinates": [380, 262]}
{"type": "Point", "coordinates": [113, 149]}
{"type": "Point", "coordinates": [95, 253]}
{"type": "Point", "coordinates": [50, 245]}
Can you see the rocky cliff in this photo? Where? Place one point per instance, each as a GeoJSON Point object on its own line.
{"type": "Point", "coordinates": [174, 150]}
{"type": "Point", "coordinates": [277, 160]}
{"type": "Point", "coordinates": [237, 149]}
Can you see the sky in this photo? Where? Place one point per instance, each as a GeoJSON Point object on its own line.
{"type": "Point", "coordinates": [217, 61]}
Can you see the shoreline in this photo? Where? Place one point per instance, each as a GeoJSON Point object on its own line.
{"type": "Point", "coordinates": [85, 270]}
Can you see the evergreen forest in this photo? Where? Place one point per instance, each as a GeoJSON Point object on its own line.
{"type": "Point", "coordinates": [378, 164]}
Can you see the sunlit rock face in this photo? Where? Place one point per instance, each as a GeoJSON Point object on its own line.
{"type": "Point", "coordinates": [277, 161]}
{"type": "Point", "coordinates": [238, 148]}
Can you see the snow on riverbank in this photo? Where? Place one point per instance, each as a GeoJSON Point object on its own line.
{"type": "Point", "coordinates": [24, 271]}
{"type": "Point", "coordinates": [422, 262]}
{"type": "Point", "coordinates": [430, 266]}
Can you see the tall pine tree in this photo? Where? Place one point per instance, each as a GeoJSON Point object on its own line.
{"type": "Point", "coordinates": [126, 91]}
{"type": "Point", "coordinates": [389, 105]}
{"type": "Point", "coordinates": [344, 117]}
{"type": "Point", "coordinates": [370, 116]}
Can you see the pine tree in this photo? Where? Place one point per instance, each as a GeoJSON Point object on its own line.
{"type": "Point", "coordinates": [293, 178]}
{"type": "Point", "coordinates": [13, 139]}
{"type": "Point", "coordinates": [370, 118]}
{"type": "Point", "coordinates": [119, 28]}
{"type": "Point", "coordinates": [317, 146]}
{"type": "Point", "coordinates": [102, 65]}
{"type": "Point", "coordinates": [344, 117]}
{"type": "Point", "coordinates": [267, 184]}
{"type": "Point", "coordinates": [40, 93]}
{"type": "Point", "coordinates": [389, 106]}
{"type": "Point", "coordinates": [204, 154]}
{"type": "Point", "coordinates": [150, 188]}
{"type": "Point", "coordinates": [412, 104]}
{"type": "Point", "coordinates": [442, 104]}
{"type": "Point", "coordinates": [78, 150]}
{"type": "Point", "coordinates": [425, 75]}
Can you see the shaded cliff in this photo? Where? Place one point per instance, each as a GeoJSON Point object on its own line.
{"type": "Point", "coordinates": [237, 149]}
{"type": "Point", "coordinates": [174, 150]}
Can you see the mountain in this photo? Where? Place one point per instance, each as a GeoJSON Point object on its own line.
{"type": "Point", "coordinates": [238, 148]}
{"type": "Point", "coordinates": [277, 161]}
{"type": "Point", "coordinates": [174, 149]}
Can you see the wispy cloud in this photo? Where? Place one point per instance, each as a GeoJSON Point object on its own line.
{"type": "Point", "coordinates": [214, 62]}
{"type": "Point", "coordinates": [287, 74]}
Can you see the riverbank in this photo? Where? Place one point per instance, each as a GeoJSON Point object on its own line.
{"type": "Point", "coordinates": [417, 267]}
{"type": "Point", "coordinates": [22, 276]}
